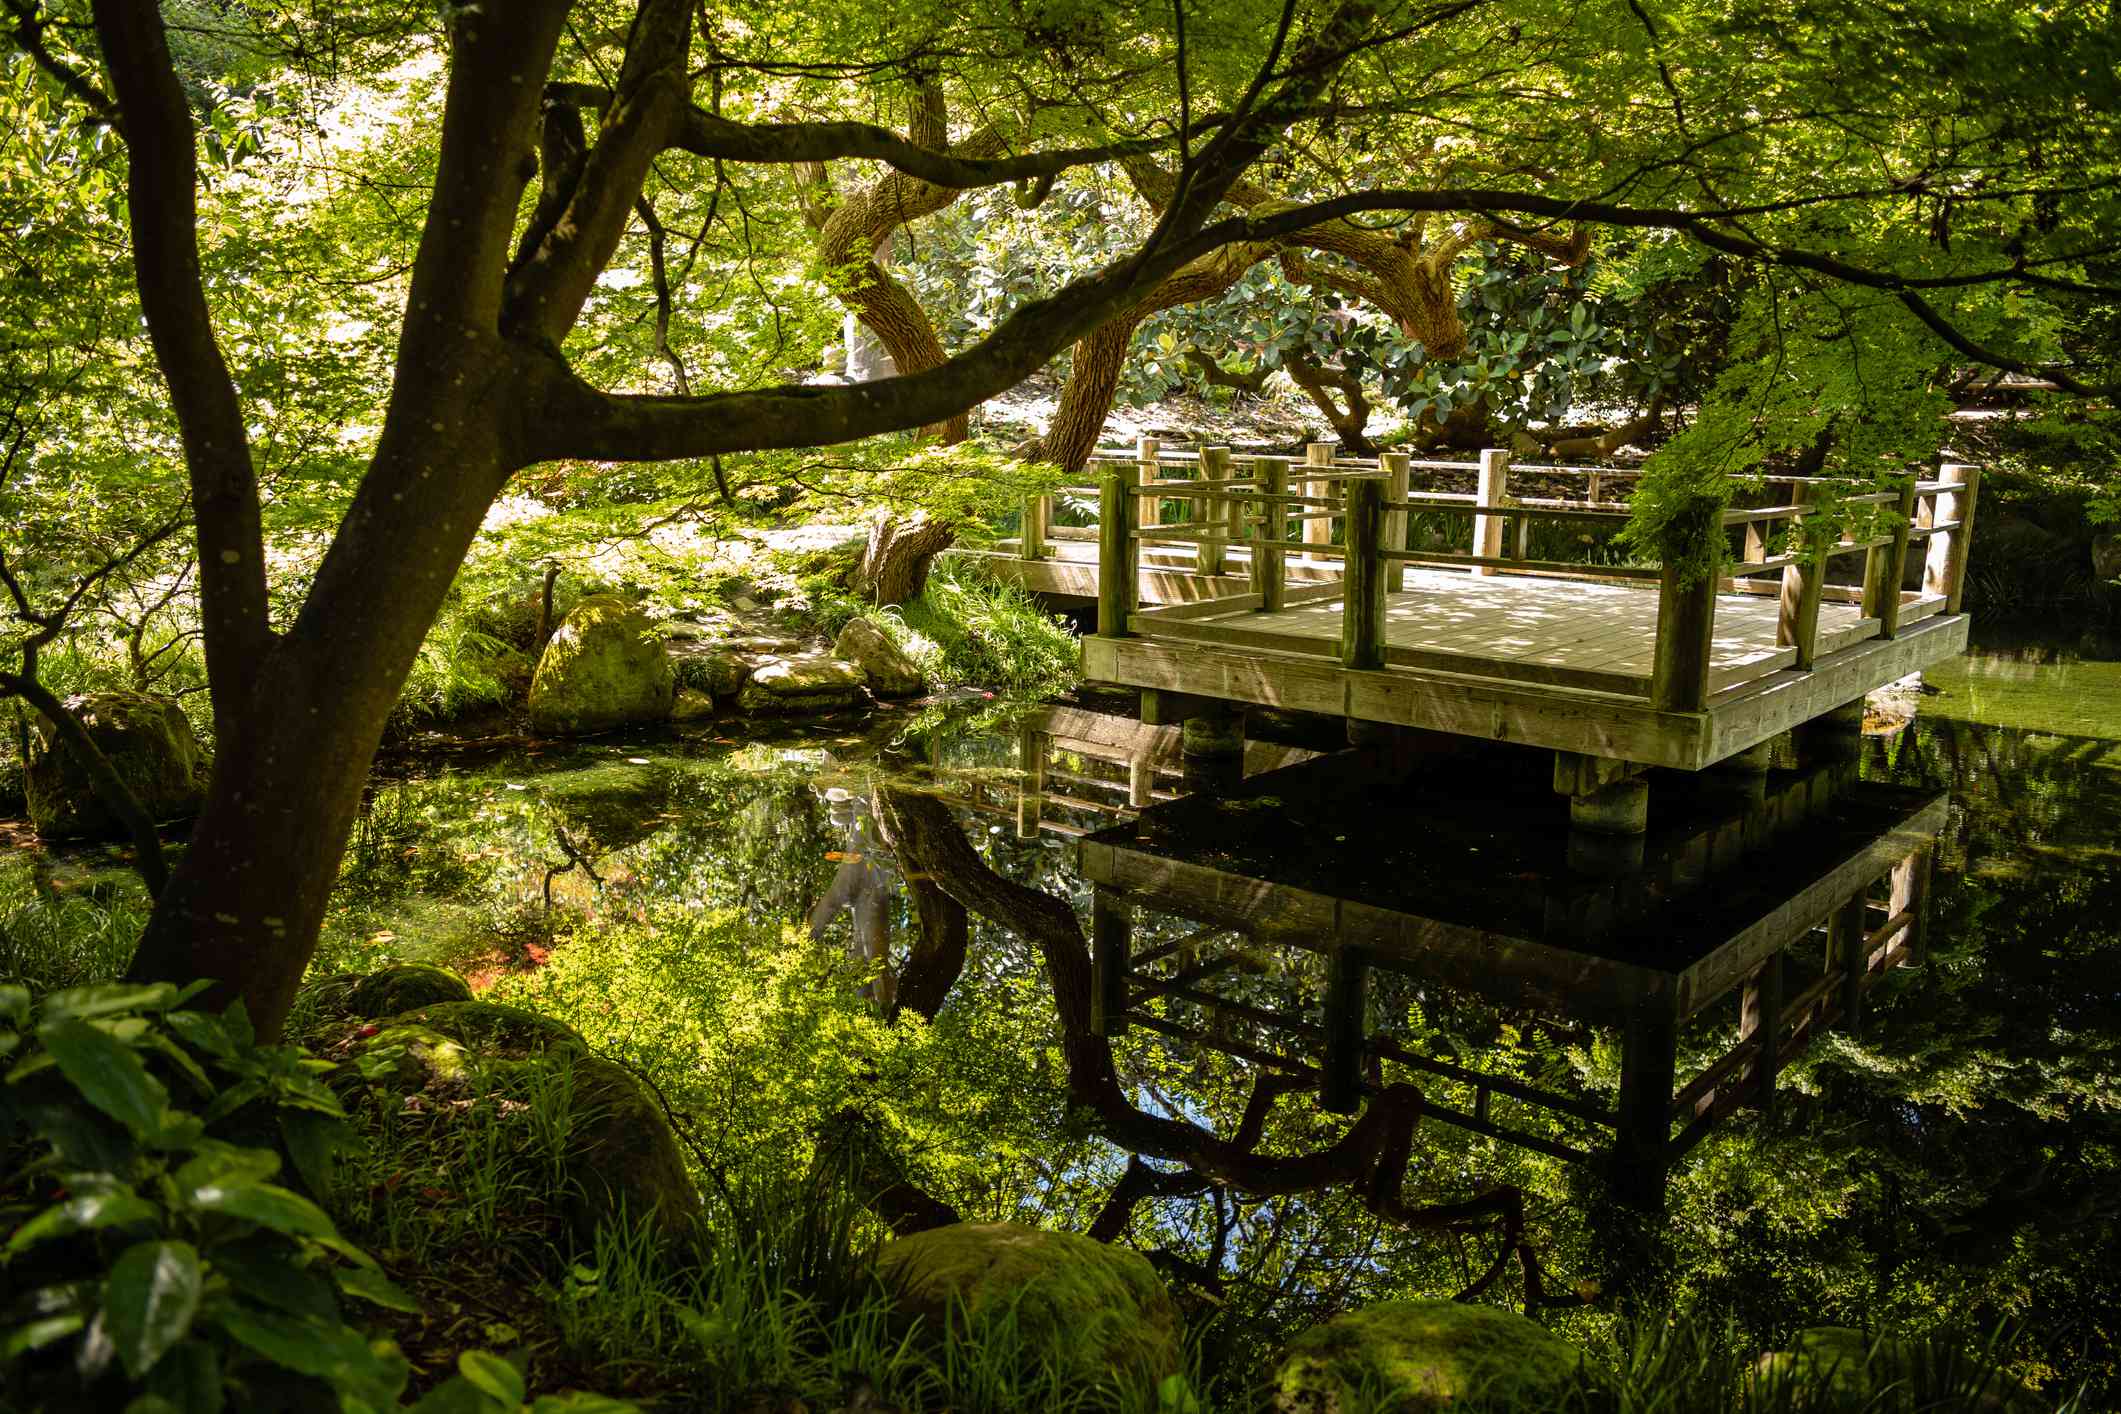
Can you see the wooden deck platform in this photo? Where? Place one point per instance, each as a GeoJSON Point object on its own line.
{"type": "Point", "coordinates": [1315, 595]}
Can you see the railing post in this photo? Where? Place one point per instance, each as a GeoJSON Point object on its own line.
{"type": "Point", "coordinates": [1756, 544]}
{"type": "Point", "coordinates": [1031, 790]}
{"type": "Point", "coordinates": [1111, 943]}
{"type": "Point", "coordinates": [1399, 482]}
{"type": "Point", "coordinates": [1944, 572]}
{"type": "Point", "coordinates": [1118, 573]}
{"type": "Point", "coordinates": [1760, 1020]}
{"type": "Point", "coordinates": [1493, 489]}
{"type": "Point", "coordinates": [1320, 530]}
{"type": "Point", "coordinates": [1802, 584]}
{"type": "Point", "coordinates": [1214, 476]}
{"type": "Point", "coordinates": [1038, 510]}
{"type": "Point", "coordinates": [1268, 572]}
{"type": "Point", "coordinates": [1686, 607]}
{"type": "Point", "coordinates": [1362, 615]}
{"type": "Point", "coordinates": [1886, 566]}
{"type": "Point", "coordinates": [1147, 470]}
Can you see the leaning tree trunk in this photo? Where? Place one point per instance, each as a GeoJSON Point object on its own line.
{"type": "Point", "coordinates": [1093, 381]}
{"type": "Point", "coordinates": [1318, 383]}
{"type": "Point", "coordinates": [901, 550]}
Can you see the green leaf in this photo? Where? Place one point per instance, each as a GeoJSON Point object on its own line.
{"type": "Point", "coordinates": [263, 1269]}
{"type": "Point", "coordinates": [38, 1334]}
{"type": "Point", "coordinates": [492, 1375]}
{"type": "Point", "coordinates": [316, 1348]}
{"type": "Point", "coordinates": [581, 1402]}
{"type": "Point", "coordinates": [316, 1142]}
{"type": "Point", "coordinates": [14, 1004]}
{"type": "Point", "coordinates": [149, 1301]}
{"type": "Point", "coordinates": [370, 1284]}
{"type": "Point", "coordinates": [81, 1213]}
{"type": "Point", "coordinates": [265, 1203]}
{"type": "Point", "coordinates": [108, 1074]}
{"type": "Point", "coordinates": [190, 1377]}
{"type": "Point", "coordinates": [104, 998]}
{"type": "Point", "coordinates": [201, 1032]}
{"type": "Point", "coordinates": [226, 1163]}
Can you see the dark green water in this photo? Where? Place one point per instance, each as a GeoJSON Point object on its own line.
{"type": "Point", "coordinates": [1952, 1165]}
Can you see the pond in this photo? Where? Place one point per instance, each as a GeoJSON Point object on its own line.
{"type": "Point", "coordinates": [1148, 1023]}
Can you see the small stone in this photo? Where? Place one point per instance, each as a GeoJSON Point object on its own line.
{"type": "Point", "coordinates": [890, 671]}
{"type": "Point", "coordinates": [691, 705]}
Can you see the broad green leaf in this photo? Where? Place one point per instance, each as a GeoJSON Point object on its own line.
{"type": "Point", "coordinates": [14, 1004]}
{"type": "Point", "coordinates": [149, 1302]}
{"type": "Point", "coordinates": [202, 1032]}
{"type": "Point", "coordinates": [104, 998]}
{"type": "Point", "coordinates": [581, 1402]}
{"type": "Point", "coordinates": [190, 1377]}
{"type": "Point", "coordinates": [263, 1269]}
{"type": "Point", "coordinates": [370, 1284]}
{"type": "Point", "coordinates": [492, 1375]}
{"type": "Point", "coordinates": [226, 1163]}
{"type": "Point", "coordinates": [82, 1212]}
{"type": "Point", "coordinates": [307, 1347]}
{"type": "Point", "coordinates": [264, 1203]}
{"type": "Point", "coordinates": [316, 1142]}
{"type": "Point", "coordinates": [108, 1074]}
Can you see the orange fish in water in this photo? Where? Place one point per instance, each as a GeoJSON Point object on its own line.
{"type": "Point", "coordinates": [837, 855]}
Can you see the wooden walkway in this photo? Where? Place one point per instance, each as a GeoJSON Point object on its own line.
{"type": "Point", "coordinates": [1304, 586]}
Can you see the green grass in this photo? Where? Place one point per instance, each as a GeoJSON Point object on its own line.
{"type": "Point", "coordinates": [58, 933]}
{"type": "Point", "coordinates": [967, 629]}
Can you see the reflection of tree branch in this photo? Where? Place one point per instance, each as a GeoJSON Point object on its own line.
{"type": "Point", "coordinates": [576, 859]}
{"type": "Point", "coordinates": [1371, 1156]}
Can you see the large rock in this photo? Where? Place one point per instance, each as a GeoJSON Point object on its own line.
{"type": "Point", "coordinates": [800, 686]}
{"type": "Point", "coordinates": [620, 1155]}
{"type": "Point", "coordinates": [403, 986]}
{"type": "Point", "coordinates": [604, 668]}
{"type": "Point", "coordinates": [1096, 1311]}
{"type": "Point", "coordinates": [1837, 1367]}
{"type": "Point", "coordinates": [1421, 1355]}
{"type": "Point", "coordinates": [891, 673]}
{"type": "Point", "coordinates": [150, 744]}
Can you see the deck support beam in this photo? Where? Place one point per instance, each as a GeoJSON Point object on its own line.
{"type": "Point", "coordinates": [1111, 947]}
{"type": "Point", "coordinates": [1622, 808]}
{"type": "Point", "coordinates": [1649, 1062]}
{"type": "Point", "coordinates": [1340, 1067]}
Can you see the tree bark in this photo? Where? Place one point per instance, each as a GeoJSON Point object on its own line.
{"type": "Point", "coordinates": [901, 550]}
{"type": "Point", "coordinates": [1318, 383]}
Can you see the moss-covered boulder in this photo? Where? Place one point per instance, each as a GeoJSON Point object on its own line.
{"type": "Point", "coordinates": [1096, 1311]}
{"type": "Point", "coordinates": [403, 986]}
{"type": "Point", "coordinates": [1834, 1367]}
{"type": "Point", "coordinates": [1421, 1355]}
{"type": "Point", "coordinates": [803, 687]}
{"type": "Point", "coordinates": [150, 744]}
{"type": "Point", "coordinates": [890, 672]}
{"type": "Point", "coordinates": [619, 1155]}
{"type": "Point", "coordinates": [691, 706]}
{"type": "Point", "coordinates": [605, 667]}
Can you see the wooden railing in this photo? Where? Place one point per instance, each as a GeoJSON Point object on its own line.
{"type": "Point", "coordinates": [1328, 512]}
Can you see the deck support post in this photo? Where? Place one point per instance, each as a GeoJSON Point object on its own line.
{"type": "Point", "coordinates": [1622, 808]}
{"type": "Point", "coordinates": [1118, 578]}
{"type": "Point", "coordinates": [1649, 1062]}
{"type": "Point", "coordinates": [1686, 608]}
{"type": "Point", "coordinates": [1802, 585]}
{"type": "Point", "coordinates": [1885, 568]}
{"type": "Point", "coordinates": [1111, 943]}
{"type": "Point", "coordinates": [1346, 1003]}
{"type": "Point", "coordinates": [1944, 570]}
{"type": "Point", "coordinates": [1833, 739]}
{"type": "Point", "coordinates": [1399, 481]}
{"type": "Point", "coordinates": [1319, 529]}
{"type": "Point", "coordinates": [1362, 621]}
{"type": "Point", "coordinates": [1911, 895]}
{"type": "Point", "coordinates": [1743, 776]}
{"type": "Point", "coordinates": [1217, 515]}
{"type": "Point", "coordinates": [1269, 572]}
{"type": "Point", "coordinates": [1038, 511]}
{"type": "Point", "coordinates": [1760, 1019]}
{"type": "Point", "coordinates": [1216, 732]}
{"type": "Point", "coordinates": [1493, 490]}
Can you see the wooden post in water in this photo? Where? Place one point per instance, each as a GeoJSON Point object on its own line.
{"type": "Point", "coordinates": [1885, 567]}
{"type": "Point", "coordinates": [1686, 608]}
{"type": "Point", "coordinates": [1031, 790]}
{"type": "Point", "coordinates": [1649, 1061]}
{"type": "Point", "coordinates": [1111, 946]}
{"type": "Point", "coordinates": [1214, 476]}
{"type": "Point", "coordinates": [1399, 481]}
{"type": "Point", "coordinates": [1944, 571]}
{"type": "Point", "coordinates": [1493, 489]}
{"type": "Point", "coordinates": [1346, 1002]}
{"type": "Point", "coordinates": [1319, 531]}
{"type": "Point", "coordinates": [1910, 894]}
{"type": "Point", "coordinates": [1118, 576]}
{"type": "Point", "coordinates": [1847, 950]}
{"type": "Point", "coordinates": [1269, 580]}
{"type": "Point", "coordinates": [1038, 511]}
{"type": "Point", "coordinates": [1362, 619]}
{"type": "Point", "coordinates": [1760, 1019]}
{"type": "Point", "coordinates": [1802, 585]}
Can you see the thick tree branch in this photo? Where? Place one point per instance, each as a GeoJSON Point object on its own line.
{"type": "Point", "coordinates": [161, 200]}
